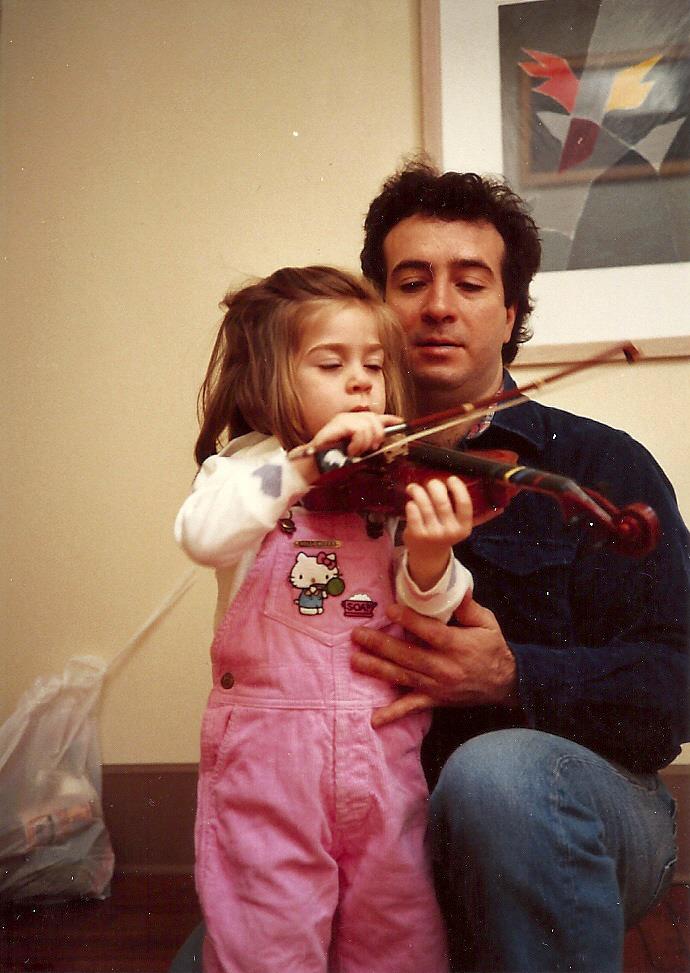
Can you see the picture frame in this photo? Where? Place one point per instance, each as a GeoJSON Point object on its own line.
{"type": "Point", "coordinates": [578, 311]}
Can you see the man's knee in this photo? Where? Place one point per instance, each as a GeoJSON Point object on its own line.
{"type": "Point", "coordinates": [502, 786]}
{"type": "Point", "coordinates": [500, 769]}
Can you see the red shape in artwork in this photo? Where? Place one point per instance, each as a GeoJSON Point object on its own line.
{"type": "Point", "coordinates": [561, 84]}
{"type": "Point", "coordinates": [579, 142]}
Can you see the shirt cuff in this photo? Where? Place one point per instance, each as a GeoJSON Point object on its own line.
{"type": "Point", "coordinates": [440, 601]}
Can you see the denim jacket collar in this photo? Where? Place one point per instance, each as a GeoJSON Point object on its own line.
{"type": "Point", "coordinates": [523, 423]}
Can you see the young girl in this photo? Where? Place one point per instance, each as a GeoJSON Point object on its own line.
{"type": "Point", "coordinates": [310, 823]}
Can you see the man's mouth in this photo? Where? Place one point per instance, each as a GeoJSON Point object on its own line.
{"type": "Point", "coordinates": [435, 348]}
{"type": "Point", "coordinates": [436, 343]}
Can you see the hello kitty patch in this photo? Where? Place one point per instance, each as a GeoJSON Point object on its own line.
{"type": "Point", "coordinates": [316, 576]}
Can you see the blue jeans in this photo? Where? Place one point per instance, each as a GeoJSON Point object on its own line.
{"type": "Point", "coordinates": [545, 852]}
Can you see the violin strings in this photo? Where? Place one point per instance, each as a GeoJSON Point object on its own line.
{"type": "Point", "coordinates": [441, 427]}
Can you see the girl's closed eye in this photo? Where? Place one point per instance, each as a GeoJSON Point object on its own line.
{"type": "Point", "coordinates": [374, 361]}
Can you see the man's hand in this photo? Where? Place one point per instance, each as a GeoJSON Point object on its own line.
{"type": "Point", "coordinates": [466, 666]}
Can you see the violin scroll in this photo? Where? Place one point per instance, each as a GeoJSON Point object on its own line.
{"type": "Point", "coordinates": [634, 529]}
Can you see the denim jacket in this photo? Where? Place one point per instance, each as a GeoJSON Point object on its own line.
{"type": "Point", "coordinates": [600, 639]}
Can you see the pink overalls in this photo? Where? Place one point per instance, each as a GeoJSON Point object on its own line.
{"type": "Point", "coordinates": [310, 824]}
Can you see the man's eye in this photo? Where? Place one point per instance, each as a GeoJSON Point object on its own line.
{"type": "Point", "coordinates": [470, 286]}
{"type": "Point", "coordinates": [409, 286]}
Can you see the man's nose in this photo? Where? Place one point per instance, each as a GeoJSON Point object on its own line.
{"type": "Point", "coordinates": [441, 302]}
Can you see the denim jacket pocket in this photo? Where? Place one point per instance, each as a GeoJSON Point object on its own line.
{"type": "Point", "coordinates": [527, 581]}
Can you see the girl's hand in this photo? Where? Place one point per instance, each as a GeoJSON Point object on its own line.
{"type": "Point", "coordinates": [439, 515]}
{"type": "Point", "coordinates": [363, 430]}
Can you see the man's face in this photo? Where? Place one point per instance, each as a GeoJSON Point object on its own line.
{"type": "Point", "coordinates": [443, 280]}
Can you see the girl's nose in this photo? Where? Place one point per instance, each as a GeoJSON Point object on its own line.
{"type": "Point", "coordinates": [359, 379]}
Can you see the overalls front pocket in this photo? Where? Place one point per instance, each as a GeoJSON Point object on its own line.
{"type": "Point", "coordinates": [329, 576]}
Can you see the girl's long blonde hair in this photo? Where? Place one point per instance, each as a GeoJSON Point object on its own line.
{"type": "Point", "coordinates": [249, 381]}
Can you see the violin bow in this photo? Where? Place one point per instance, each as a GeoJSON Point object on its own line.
{"type": "Point", "coordinates": [413, 429]}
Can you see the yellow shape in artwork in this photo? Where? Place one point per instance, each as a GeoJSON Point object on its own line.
{"type": "Point", "coordinates": [628, 89]}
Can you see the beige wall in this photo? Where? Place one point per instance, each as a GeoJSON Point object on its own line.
{"type": "Point", "coordinates": [156, 151]}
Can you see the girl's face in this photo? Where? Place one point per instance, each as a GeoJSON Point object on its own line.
{"type": "Point", "coordinates": [339, 365]}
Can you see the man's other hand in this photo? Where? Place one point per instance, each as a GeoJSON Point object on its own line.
{"type": "Point", "coordinates": [468, 665]}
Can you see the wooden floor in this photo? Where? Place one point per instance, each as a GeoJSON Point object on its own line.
{"type": "Point", "coordinates": [662, 940]}
{"type": "Point", "coordinates": [140, 927]}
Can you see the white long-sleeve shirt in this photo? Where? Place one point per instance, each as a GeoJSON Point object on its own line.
{"type": "Point", "coordinates": [239, 496]}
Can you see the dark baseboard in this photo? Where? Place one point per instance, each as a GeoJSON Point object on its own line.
{"type": "Point", "coordinates": [149, 812]}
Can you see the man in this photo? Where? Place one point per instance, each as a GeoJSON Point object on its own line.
{"type": "Point", "coordinates": [563, 687]}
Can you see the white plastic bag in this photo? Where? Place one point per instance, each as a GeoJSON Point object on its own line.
{"type": "Point", "coordinates": [53, 841]}
{"type": "Point", "coordinates": [54, 844]}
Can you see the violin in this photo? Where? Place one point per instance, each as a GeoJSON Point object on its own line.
{"type": "Point", "coordinates": [493, 478]}
{"type": "Point", "coordinates": [377, 482]}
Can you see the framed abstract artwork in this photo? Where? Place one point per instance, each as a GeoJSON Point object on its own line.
{"type": "Point", "coordinates": [583, 107]}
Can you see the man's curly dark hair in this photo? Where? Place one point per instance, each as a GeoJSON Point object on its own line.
{"type": "Point", "coordinates": [419, 188]}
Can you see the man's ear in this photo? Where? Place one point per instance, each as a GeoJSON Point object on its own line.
{"type": "Point", "coordinates": [511, 314]}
